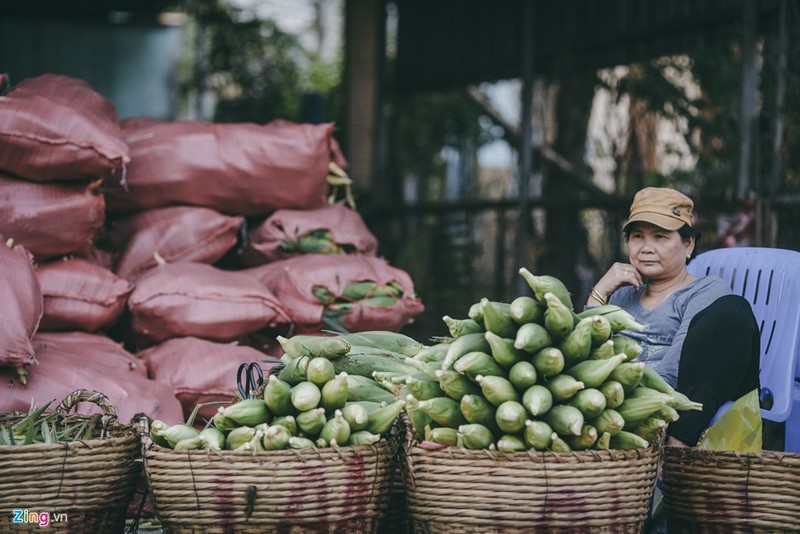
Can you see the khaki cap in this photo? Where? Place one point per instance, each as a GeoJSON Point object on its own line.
{"type": "Point", "coordinates": [664, 207]}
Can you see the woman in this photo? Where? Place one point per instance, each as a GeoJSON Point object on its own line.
{"type": "Point", "coordinates": [700, 337]}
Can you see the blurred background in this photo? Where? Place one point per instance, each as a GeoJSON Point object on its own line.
{"type": "Point", "coordinates": [482, 136]}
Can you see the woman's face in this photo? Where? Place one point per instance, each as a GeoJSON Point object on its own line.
{"type": "Point", "coordinates": [657, 253]}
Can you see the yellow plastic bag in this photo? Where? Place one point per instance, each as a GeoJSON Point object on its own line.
{"type": "Point", "coordinates": [739, 429]}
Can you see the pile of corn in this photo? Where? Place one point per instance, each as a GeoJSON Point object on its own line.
{"type": "Point", "coordinates": [312, 402]}
{"type": "Point", "coordinates": [533, 374]}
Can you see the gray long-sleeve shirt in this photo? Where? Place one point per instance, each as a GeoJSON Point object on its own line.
{"type": "Point", "coordinates": [666, 325]}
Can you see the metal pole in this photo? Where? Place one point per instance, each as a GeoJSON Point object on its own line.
{"type": "Point", "coordinates": [749, 87]}
{"type": "Point", "coordinates": [524, 229]}
{"type": "Point", "coordinates": [780, 99]}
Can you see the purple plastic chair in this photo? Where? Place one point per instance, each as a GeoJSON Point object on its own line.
{"type": "Point", "coordinates": [769, 278]}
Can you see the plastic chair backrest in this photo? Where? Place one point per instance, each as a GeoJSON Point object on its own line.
{"type": "Point", "coordinates": [769, 278]}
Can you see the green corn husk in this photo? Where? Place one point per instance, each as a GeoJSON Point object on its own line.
{"type": "Point", "coordinates": [577, 344]}
{"type": "Point", "coordinates": [238, 437]}
{"type": "Point", "coordinates": [179, 432]}
{"type": "Point", "coordinates": [603, 351]}
{"type": "Point", "coordinates": [419, 418]}
{"type": "Point", "coordinates": [360, 388]}
{"type": "Point", "coordinates": [628, 440]}
{"type": "Point", "coordinates": [603, 442]}
{"type": "Point", "coordinates": [189, 444]}
{"type": "Point", "coordinates": [443, 410]}
{"type": "Point", "coordinates": [649, 429]}
{"type": "Point", "coordinates": [549, 361]}
{"type": "Point", "coordinates": [538, 435]}
{"type": "Point", "coordinates": [286, 421]}
{"type": "Point", "coordinates": [511, 443]}
{"type": "Point", "coordinates": [586, 439]}
{"type": "Point", "coordinates": [463, 345]}
{"type": "Point", "coordinates": [558, 319]}
{"type": "Point", "coordinates": [565, 419]}
{"type": "Point", "coordinates": [636, 410]}
{"type": "Point", "coordinates": [222, 423]}
{"type": "Point", "coordinates": [278, 396]}
{"type": "Point", "coordinates": [394, 342]}
{"type": "Point", "coordinates": [653, 380]}
{"type": "Point", "coordinates": [613, 392]}
{"type": "Point", "coordinates": [668, 414]}
{"type": "Point", "coordinates": [525, 309]}
{"type": "Point", "coordinates": [423, 388]}
{"type": "Point", "coordinates": [460, 327]}
{"type": "Point", "coordinates": [306, 396]}
{"type": "Point", "coordinates": [310, 423]}
{"type": "Point", "coordinates": [625, 345]}
{"type": "Point", "coordinates": [371, 360]}
{"type": "Point", "coordinates": [212, 439]}
{"type": "Point", "coordinates": [503, 350]}
{"type": "Point", "coordinates": [156, 428]}
{"type": "Point", "coordinates": [276, 438]}
{"type": "Point", "coordinates": [496, 318]}
{"type": "Point", "coordinates": [619, 318]}
{"type": "Point", "coordinates": [455, 385]}
{"type": "Point", "coordinates": [381, 420]}
{"type": "Point", "coordinates": [643, 391]}
{"type": "Point", "coordinates": [532, 337]}
{"type": "Point", "coordinates": [476, 363]}
{"type": "Point", "coordinates": [510, 417]}
{"type": "Point", "coordinates": [497, 389]}
{"type": "Point", "coordinates": [609, 421]}
{"type": "Point", "coordinates": [683, 403]}
{"type": "Point", "coordinates": [629, 374]}
{"type": "Point", "coordinates": [563, 387]}
{"type": "Point", "coordinates": [363, 437]}
{"type": "Point", "coordinates": [320, 371]}
{"type": "Point", "coordinates": [443, 435]}
{"type": "Point", "coordinates": [477, 409]}
{"type": "Point", "coordinates": [590, 401]}
{"type": "Point", "coordinates": [600, 330]}
{"type": "Point", "coordinates": [557, 444]}
{"type": "Point", "coordinates": [543, 284]}
{"type": "Point", "coordinates": [334, 393]}
{"type": "Point", "coordinates": [434, 353]}
{"type": "Point", "coordinates": [330, 347]}
{"type": "Point", "coordinates": [523, 375]}
{"type": "Point", "coordinates": [336, 429]}
{"type": "Point", "coordinates": [297, 442]}
{"type": "Point", "coordinates": [356, 416]}
{"type": "Point", "coordinates": [247, 412]}
{"type": "Point", "coordinates": [295, 371]}
{"type": "Point", "coordinates": [429, 368]}
{"type": "Point", "coordinates": [537, 399]}
{"type": "Point", "coordinates": [475, 436]}
{"type": "Point", "coordinates": [476, 313]}
{"type": "Point", "coordinates": [594, 372]}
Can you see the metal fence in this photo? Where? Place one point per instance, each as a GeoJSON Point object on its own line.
{"type": "Point", "coordinates": [457, 253]}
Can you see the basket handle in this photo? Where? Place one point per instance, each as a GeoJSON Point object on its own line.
{"type": "Point", "coordinates": [87, 395]}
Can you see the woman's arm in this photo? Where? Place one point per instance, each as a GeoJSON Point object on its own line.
{"type": "Point", "coordinates": [618, 275]}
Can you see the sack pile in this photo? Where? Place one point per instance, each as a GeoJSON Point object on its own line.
{"type": "Point", "coordinates": [188, 246]}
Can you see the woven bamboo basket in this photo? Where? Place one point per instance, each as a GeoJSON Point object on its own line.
{"type": "Point", "coordinates": [89, 482]}
{"type": "Point", "coordinates": [332, 490]}
{"type": "Point", "coordinates": [481, 491]}
{"type": "Point", "coordinates": [726, 492]}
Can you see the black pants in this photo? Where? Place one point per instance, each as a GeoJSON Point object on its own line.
{"type": "Point", "coordinates": [719, 362]}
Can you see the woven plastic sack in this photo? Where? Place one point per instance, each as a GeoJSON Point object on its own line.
{"type": "Point", "coordinates": [179, 233]}
{"type": "Point", "coordinates": [333, 229]}
{"type": "Point", "coordinates": [297, 283]}
{"type": "Point", "coordinates": [50, 219]}
{"type": "Point", "coordinates": [739, 429]}
{"type": "Point", "coordinates": [65, 365]}
{"type": "Point", "coordinates": [21, 308]}
{"type": "Point", "coordinates": [55, 127]}
{"type": "Point", "coordinates": [200, 370]}
{"type": "Point", "coordinates": [79, 295]}
{"type": "Point", "coordinates": [239, 169]}
{"type": "Point", "coordinates": [194, 299]}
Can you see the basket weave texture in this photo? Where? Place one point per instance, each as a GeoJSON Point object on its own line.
{"type": "Point", "coordinates": [722, 491]}
{"type": "Point", "coordinates": [92, 482]}
{"type": "Point", "coordinates": [481, 491]}
{"type": "Point", "coordinates": [342, 489]}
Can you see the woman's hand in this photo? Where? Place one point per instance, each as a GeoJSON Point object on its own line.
{"type": "Point", "coordinates": [620, 274]}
